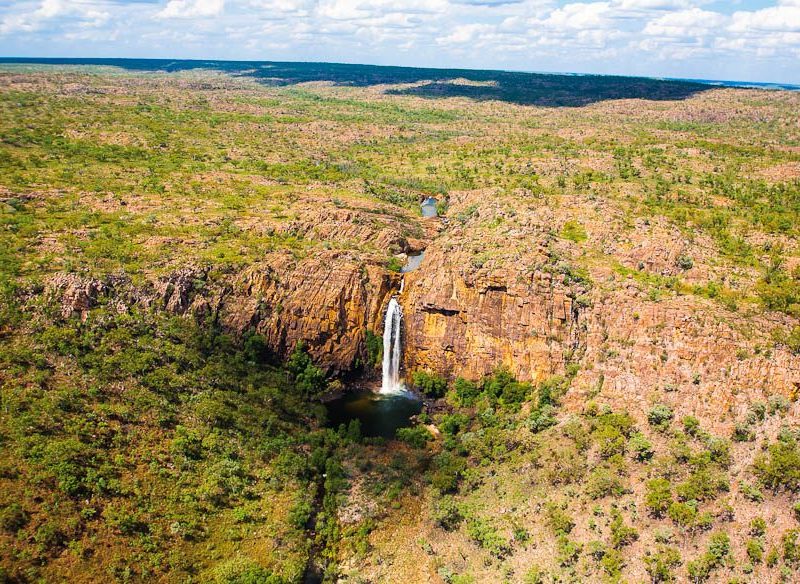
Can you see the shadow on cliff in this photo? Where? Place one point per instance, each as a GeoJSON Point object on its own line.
{"type": "Point", "coordinates": [550, 90]}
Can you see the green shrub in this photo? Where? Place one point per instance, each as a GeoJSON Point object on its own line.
{"type": "Point", "coordinates": [691, 425]}
{"type": "Point", "coordinates": [486, 536]}
{"type": "Point", "coordinates": [777, 404]}
{"type": "Point", "coordinates": [658, 497]}
{"type": "Point", "coordinates": [535, 575]}
{"type": "Point", "coordinates": [243, 571]}
{"type": "Point", "coordinates": [542, 418]}
{"type": "Point", "coordinates": [660, 565]}
{"type": "Point", "coordinates": [640, 446]}
{"type": "Point", "coordinates": [429, 383]}
{"type": "Point", "coordinates": [13, 518]}
{"type": "Point", "coordinates": [308, 378]}
{"type": "Point", "coordinates": [612, 563]}
{"type": "Point", "coordinates": [466, 391]}
{"type": "Point", "coordinates": [772, 557]}
{"type": "Point", "coordinates": [743, 432]}
{"type": "Point", "coordinates": [703, 484]}
{"type": "Point", "coordinates": [49, 536]}
{"type": "Point", "coordinates": [124, 521]}
{"type": "Point", "coordinates": [758, 526]}
{"type": "Point", "coordinates": [447, 472]}
{"type": "Point", "coordinates": [683, 514]}
{"type": "Point", "coordinates": [704, 521]}
{"type": "Point", "coordinates": [603, 483]}
{"type": "Point", "coordinates": [781, 469]}
{"type": "Point", "coordinates": [719, 450]}
{"type": "Point", "coordinates": [393, 264]}
{"type": "Point", "coordinates": [790, 339]}
{"type": "Point", "coordinates": [621, 534]}
{"type": "Point", "coordinates": [551, 390]}
{"type": "Point", "coordinates": [790, 542]}
{"type": "Point", "coordinates": [779, 290]}
{"type": "Point", "coordinates": [416, 436]}
{"type": "Point", "coordinates": [187, 443]}
{"type": "Point", "coordinates": [501, 387]}
{"type": "Point", "coordinates": [611, 433]}
{"type": "Point", "coordinates": [610, 441]}
{"type": "Point", "coordinates": [559, 520]}
{"type": "Point", "coordinates": [568, 551]}
{"type": "Point", "coordinates": [751, 492]}
{"type": "Point", "coordinates": [446, 514]}
{"type": "Point", "coordinates": [452, 424]}
{"type": "Point", "coordinates": [374, 347]}
{"type": "Point", "coordinates": [300, 513]}
{"type": "Point", "coordinates": [719, 549]}
{"type": "Point", "coordinates": [755, 550]}
{"type": "Point", "coordinates": [684, 262]}
{"type": "Point", "coordinates": [660, 416]}
{"type": "Point", "coordinates": [758, 412]}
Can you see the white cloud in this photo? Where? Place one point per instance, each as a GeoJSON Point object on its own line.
{"type": "Point", "coordinates": [34, 16]}
{"type": "Point", "coordinates": [685, 23]}
{"type": "Point", "coordinates": [284, 7]}
{"type": "Point", "coordinates": [465, 33]}
{"type": "Point", "coordinates": [192, 9]}
{"type": "Point", "coordinates": [785, 17]}
{"type": "Point", "coordinates": [579, 16]}
{"type": "Point", "coordinates": [652, 4]}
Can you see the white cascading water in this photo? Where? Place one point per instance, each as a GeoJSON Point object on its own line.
{"type": "Point", "coordinates": [391, 349]}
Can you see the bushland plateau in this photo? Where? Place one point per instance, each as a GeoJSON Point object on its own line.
{"type": "Point", "coordinates": [604, 325]}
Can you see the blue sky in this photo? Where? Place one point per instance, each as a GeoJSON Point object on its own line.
{"type": "Point", "coordinates": [749, 40]}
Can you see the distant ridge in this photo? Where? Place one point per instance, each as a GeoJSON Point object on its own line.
{"type": "Point", "coordinates": [180, 64]}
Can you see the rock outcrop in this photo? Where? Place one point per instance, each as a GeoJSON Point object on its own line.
{"type": "Point", "coordinates": [469, 325]}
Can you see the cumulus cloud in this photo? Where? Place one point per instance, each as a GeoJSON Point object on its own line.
{"type": "Point", "coordinates": [32, 17]}
{"type": "Point", "coordinates": [782, 18]}
{"type": "Point", "coordinates": [685, 23]}
{"type": "Point", "coordinates": [191, 8]}
{"type": "Point", "coordinates": [659, 37]}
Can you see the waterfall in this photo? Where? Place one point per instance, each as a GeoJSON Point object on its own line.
{"type": "Point", "coordinates": [391, 349]}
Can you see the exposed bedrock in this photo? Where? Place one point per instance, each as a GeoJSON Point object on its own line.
{"type": "Point", "coordinates": [469, 325]}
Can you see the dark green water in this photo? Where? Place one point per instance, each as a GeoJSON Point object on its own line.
{"type": "Point", "coordinates": [380, 414]}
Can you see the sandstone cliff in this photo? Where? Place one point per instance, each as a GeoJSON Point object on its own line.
{"type": "Point", "coordinates": [498, 286]}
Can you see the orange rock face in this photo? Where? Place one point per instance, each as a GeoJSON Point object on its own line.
{"type": "Point", "coordinates": [328, 301]}
{"type": "Point", "coordinates": [467, 327]}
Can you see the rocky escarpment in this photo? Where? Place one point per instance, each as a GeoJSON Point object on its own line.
{"type": "Point", "coordinates": [499, 287]}
{"type": "Point", "coordinates": [487, 295]}
{"type": "Point", "coordinates": [327, 291]}
{"type": "Point", "coordinates": [328, 300]}
{"type": "Point", "coordinates": [502, 288]}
